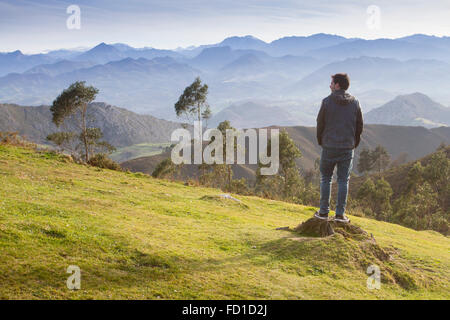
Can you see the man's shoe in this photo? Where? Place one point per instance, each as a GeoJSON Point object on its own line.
{"type": "Point", "coordinates": [323, 216]}
{"type": "Point", "coordinates": [341, 218]}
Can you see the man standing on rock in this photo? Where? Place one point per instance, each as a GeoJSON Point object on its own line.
{"type": "Point", "coordinates": [339, 127]}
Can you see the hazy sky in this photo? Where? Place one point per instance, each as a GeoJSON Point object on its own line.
{"type": "Point", "coordinates": [35, 26]}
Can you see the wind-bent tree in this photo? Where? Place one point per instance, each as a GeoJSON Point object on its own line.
{"type": "Point", "coordinates": [64, 140]}
{"type": "Point", "coordinates": [73, 102]}
{"type": "Point", "coordinates": [192, 103]}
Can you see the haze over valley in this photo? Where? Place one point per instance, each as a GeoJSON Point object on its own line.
{"type": "Point", "coordinates": [287, 77]}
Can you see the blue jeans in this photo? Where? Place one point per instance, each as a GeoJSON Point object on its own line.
{"type": "Point", "coordinates": [343, 159]}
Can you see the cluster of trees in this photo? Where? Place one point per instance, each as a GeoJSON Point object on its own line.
{"type": "Point", "coordinates": [377, 159]}
{"type": "Point", "coordinates": [375, 198]}
{"type": "Point", "coordinates": [288, 184]}
{"type": "Point", "coordinates": [85, 144]}
{"type": "Point", "coordinates": [422, 204]}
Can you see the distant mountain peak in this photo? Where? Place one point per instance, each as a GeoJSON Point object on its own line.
{"type": "Point", "coordinates": [414, 95]}
{"type": "Point", "coordinates": [103, 46]}
{"type": "Point", "coordinates": [16, 53]}
{"type": "Point", "coordinates": [243, 42]}
{"type": "Point", "coordinates": [414, 109]}
{"type": "Point", "coordinates": [325, 35]}
{"type": "Point", "coordinates": [101, 53]}
{"type": "Point", "coordinates": [418, 98]}
{"type": "Point", "coordinates": [250, 37]}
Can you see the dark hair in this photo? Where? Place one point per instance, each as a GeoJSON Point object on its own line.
{"type": "Point", "coordinates": [342, 79]}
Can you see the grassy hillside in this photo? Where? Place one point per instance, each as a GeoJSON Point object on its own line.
{"type": "Point", "coordinates": [136, 237]}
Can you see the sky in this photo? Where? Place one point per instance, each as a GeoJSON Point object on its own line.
{"type": "Point", "coordinates": [37, 26]}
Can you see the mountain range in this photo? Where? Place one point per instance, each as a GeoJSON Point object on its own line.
{"type": "Point", "coordinates": [237, 70]}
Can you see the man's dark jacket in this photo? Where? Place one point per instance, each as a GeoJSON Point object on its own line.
{"type": "Point", "coordinates": [340, 121]}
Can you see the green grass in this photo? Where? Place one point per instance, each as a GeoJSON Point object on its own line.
{"type": "Point", "coordinates": [135, 237]}
{"type": "Point", "coordinates": [137, 151]}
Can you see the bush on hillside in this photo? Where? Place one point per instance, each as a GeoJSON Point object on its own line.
{"type": "Point", "coordinates": [164, 169]}
{"type": "Point", "coordinates": [13, 138]}
{"type": "Point", "coordinates": [101, 160]}
{"type": "Point", "coordinates": [239, 186]}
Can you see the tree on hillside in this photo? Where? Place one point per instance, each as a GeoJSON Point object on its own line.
{"type": "Point", "coordinates": [365, 161]}
{"type": "Point", "coordinates": [383, 194]}
{"type": "Point", "coordinates": [437, 174]}
{"type": "Point", "coordinates": [164, 169]}
{"type": "Point", "coordinates": [223, 127]}
{"type": "Point", "coordinates": [287, 183]}
{"type": "Point", "coordinates": [73, 103]}
{"type": "Point", "coordinates": [376, 197]}
{"type": "Point", "coordinates": [415, 177]}
{"type": "Point", "coordinates": [377, 158]}
{"type": "Point", "coordinates": [380, 158]}
{"type": "Point", "coordinates": [441, 146]}
{"type": "Point", "coordinates": [312, 176]}
{"type": "Point", "coordinates": [425, 202]}
{"type": "Point", "coordinates": [219, 175]}
{"type": "Point", "coordinates": [420, 209]}
{"type": "Point", "coordinates": [401, 159]}
{"type": "Point", "coordinates": [64, 140]}
{"type": "Point", "coordinates": [192, 103]}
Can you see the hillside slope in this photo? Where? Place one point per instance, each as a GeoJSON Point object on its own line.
{"type": "Point", "coordinates": [416, 142]}
{"type": "Point", "coordinates": [147, 164]}
{"type": "Point", "coordinates": [120, 127]}
{"type": "Point", "coordinates": [136, 237]}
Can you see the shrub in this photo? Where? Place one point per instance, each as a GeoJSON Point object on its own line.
{"type": "Point", "coordinates": [239, 186]}
{"type": "Point", "coordinates": [13, 138]}
{"type": "Point", "coordinates": [101, 160]}
{"type": "Point", "coordinates": [164, 169]}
